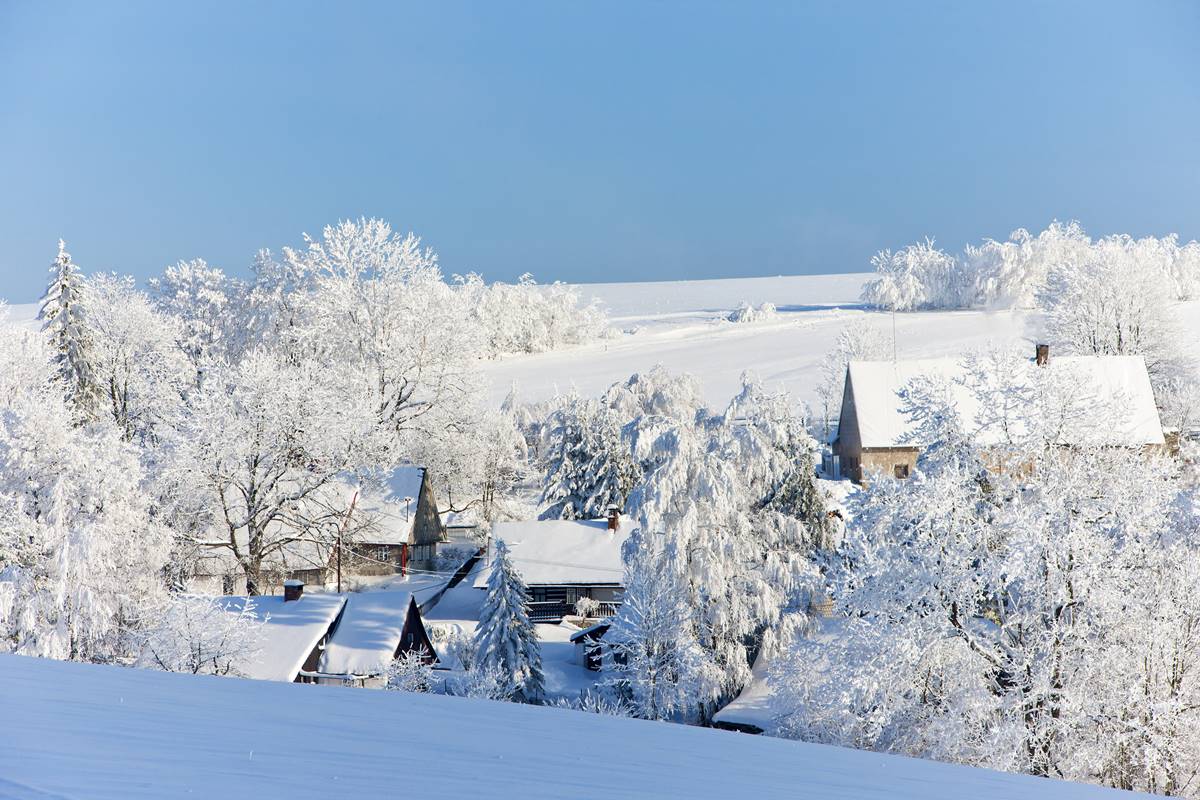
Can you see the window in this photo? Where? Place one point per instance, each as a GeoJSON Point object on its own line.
{"type": "Point", "coordinates": [900, 470]}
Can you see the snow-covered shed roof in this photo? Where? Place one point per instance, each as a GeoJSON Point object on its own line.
{"type": "Point", "coordinates": [563, 552]}
{"type": "Point", "coordinates": [291, 631]}
{"type": "Point", "coordinates": [1119, 385]}
{"type": "Point", "coordinates": [368, 634]}
{"type": "Point", "coordinates": [115, 733]}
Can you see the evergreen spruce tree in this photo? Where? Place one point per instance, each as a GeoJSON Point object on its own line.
{"type": "Point", "coordinates": [64, 320]}
{"type": "Point", "coordinates": [506, 640]}
{"type": "Point", "coordinates": [588, 466]}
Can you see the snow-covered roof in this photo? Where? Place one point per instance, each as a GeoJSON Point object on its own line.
{"type": "Point", "coordinates": [115, 733]}
{"type": "Point", "coordinates": [390, 511]}
{"type": "Point", "coordinates": [753, 706]}
{"type": "Point", "coordinates": [554, 552]}
{"type": "Point", "coordinates": [369, 632]}
{"type": "Point", "coordinates": [291, 631]}
{"type": "Point", "coordinates": [1119, 385]}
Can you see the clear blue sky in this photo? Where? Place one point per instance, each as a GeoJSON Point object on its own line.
{"type": "Point", "coordinates": [588, 141]}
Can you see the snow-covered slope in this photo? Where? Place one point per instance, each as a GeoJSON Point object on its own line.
{"type": "Point", "coordinates": [682, 325]}
{"type": "Point", "coordinates": [77, 730]}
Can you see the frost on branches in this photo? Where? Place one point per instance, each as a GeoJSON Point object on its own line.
{"type": "Point", "coordinates": [1013, 272]}
{"type": "Point", "coordinates": [729, 499]}
{"type": "Point", "coordinates": [1018, 608]}
{"type": "Point", "coordinates": [201, 635]}
{"type": "Point", "coordinates": [505, 639]}
{"type": "Point", "coordinates": [81, 550]}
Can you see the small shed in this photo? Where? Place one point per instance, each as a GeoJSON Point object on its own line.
{"type": "Point", "coordinates": [375, 628]}
{"type": "Point", "coordinates": [589, 648]}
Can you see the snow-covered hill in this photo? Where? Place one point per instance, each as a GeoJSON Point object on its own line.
{"type": "Point", "coordinates": [77, 730]}
{"type": "Point", "coordinates": [683, 326]}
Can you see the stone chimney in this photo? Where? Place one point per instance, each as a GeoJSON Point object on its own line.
{"type": "Point", "coordinates": [292, 590]}
{"type": "Point", "coordinates": [1042, 352]}
{"type": "Point", "coordinates": [614, 517]}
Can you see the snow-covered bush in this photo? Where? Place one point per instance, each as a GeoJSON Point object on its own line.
{"type": "Point", "coordinates": [751, 313]}
{"type": "Point", "coordinates": [411, 671]}
{"type": "Point", "coordinates": [1012, 273]}
{"type": "Point", "coordinates": [202, 635]}
{"type": "Point", "coordinates": [527, 317]}
{"type": "Point", "coordinates": [586, 606]}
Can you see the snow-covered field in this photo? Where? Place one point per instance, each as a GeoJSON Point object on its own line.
{"type": "Point", "coordinates": [682, 325]}
{"type": "Point", "coordinates": [78, 730]}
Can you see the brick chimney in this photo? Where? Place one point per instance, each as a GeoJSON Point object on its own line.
{"type": "Point", "coordinates": [292, 590]}
{"type": "Point", "coordinates": [614, 517]}
{"type": "Point", "coordinates": [1042, 354]}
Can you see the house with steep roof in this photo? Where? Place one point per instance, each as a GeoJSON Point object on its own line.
{"type": "Point", "coordinates": [875, 436]}
{"type": "Point", "coordinates": [397, 526]}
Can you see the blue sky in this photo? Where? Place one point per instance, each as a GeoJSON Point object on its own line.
{"type": "Point", "coordinates": [588, 141]}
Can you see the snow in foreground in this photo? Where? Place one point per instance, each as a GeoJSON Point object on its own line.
{"type": "Point", "coordinates": [77, 730]}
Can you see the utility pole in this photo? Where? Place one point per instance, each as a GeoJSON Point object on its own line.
{"type": "Point", "coordinates": [341, 530]}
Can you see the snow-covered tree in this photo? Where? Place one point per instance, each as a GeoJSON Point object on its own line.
{"type": "Point", "coordinates": [655, 663]}
{"type": "Point", "coordinates": [64, 319]}
{"type": "Point", "coordinates": [259, 456]}
{"type": "Point", "coordinates": [587, 465]}
{"type": "Point", "coordinates": [82, 553]}
{"type": "Point", "coordinates": [506, 640]}
{"type": "Point", "coordinates": [916, 277]}
{"type": "Point", "coordinates": [530, 318]}
{"type": "Point", "coordinates": [208, 309]}
{"type": "Point", "coordinates": [202, 635]}
{"type": "Point", "coordinates": [137, 364]}
{"type": "Point", "coordinates": [1106, 305]}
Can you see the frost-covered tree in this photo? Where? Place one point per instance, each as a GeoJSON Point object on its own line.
{"type": "Point", "coordinates": [530, 318]}
{"type": "Point", "coordinates": [137, 364]}
{"type": "Point", "coordinates": [82, 552]}
{"type": "Point", "coordinates": [208, 309]}
{"type": "Point", "coordinates": [916, 277]}
{"type": "Point", "coordinates": [1013, 272]}
{"type": "Point", "coordinates": [587, 465]}
{"type": "Point", "coordinates": [63, 314]}
{"type": "Point", "coordinates": [655, 662]}
{"type": "Point", "coordinates": [1106, 305]}
{"type": "Point", "coordinates": [202, 635]}
{"type": "Point", "coordinates": [506, 640]}
{"type": "Point", "coordinates": [259, 455]}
